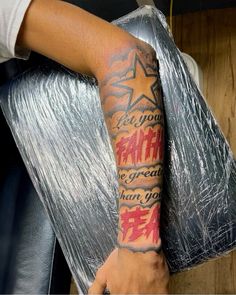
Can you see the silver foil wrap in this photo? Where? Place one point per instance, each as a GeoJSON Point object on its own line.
{"type": "Point", "coordinates": [58, 125]}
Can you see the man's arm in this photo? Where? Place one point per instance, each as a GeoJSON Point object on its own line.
{"type": "Point", "coordinates": [127, 73]}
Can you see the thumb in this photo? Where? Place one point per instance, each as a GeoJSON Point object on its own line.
{"type": "Point", "coordinates": [96, 288]}
{"type": "Point", "coordinates": [99, 284]}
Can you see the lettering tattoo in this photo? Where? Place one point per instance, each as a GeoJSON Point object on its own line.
{"type": "Point", "coordinates": [139, 197]}
{"type": "Point", "coordinates": [140, 177]}
{"type": "Point", "coordinates": [139, 224]}
{"type": "Point", "coordinates": [137, 120]}
{"type": "Point", "coordinates": [140, 147]}
{"type": "Point", "coordinates": [132, 102]}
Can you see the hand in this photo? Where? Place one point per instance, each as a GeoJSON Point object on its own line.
{"type": "Point", "coordinates": [127, 272]}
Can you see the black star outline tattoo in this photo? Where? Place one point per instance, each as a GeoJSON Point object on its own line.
{"type": "Point", "coordinates": [134, 99]}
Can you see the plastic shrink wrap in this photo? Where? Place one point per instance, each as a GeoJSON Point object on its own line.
{"type": "Point", "coordinates": [57, 122]}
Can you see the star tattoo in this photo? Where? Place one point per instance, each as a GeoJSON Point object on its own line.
{"type": "Point", "coordinates": [140, 86]}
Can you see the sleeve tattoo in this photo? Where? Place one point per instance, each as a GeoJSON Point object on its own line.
{"type": "Point", "coordinates": [132, 103]}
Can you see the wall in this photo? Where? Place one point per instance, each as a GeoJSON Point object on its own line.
{"type": "Point", "coordinates": [210, 38]}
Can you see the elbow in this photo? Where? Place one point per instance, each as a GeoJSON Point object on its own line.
{"type": "Point", "coordinates": [120, 55]}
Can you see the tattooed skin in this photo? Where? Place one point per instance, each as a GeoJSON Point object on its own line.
{"type": "Point", "coordinates": [132, 103]}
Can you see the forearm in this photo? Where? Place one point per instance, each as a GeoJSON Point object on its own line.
{"type": "Point", "coordinates": [132, 103]}
{"type": "Point", "coordinates": [71, 36]}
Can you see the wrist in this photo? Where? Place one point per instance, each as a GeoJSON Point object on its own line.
{"type": "Point", "coordinates": [149, 257]}
{"type": "Point", "coordinates": [152, 263]}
